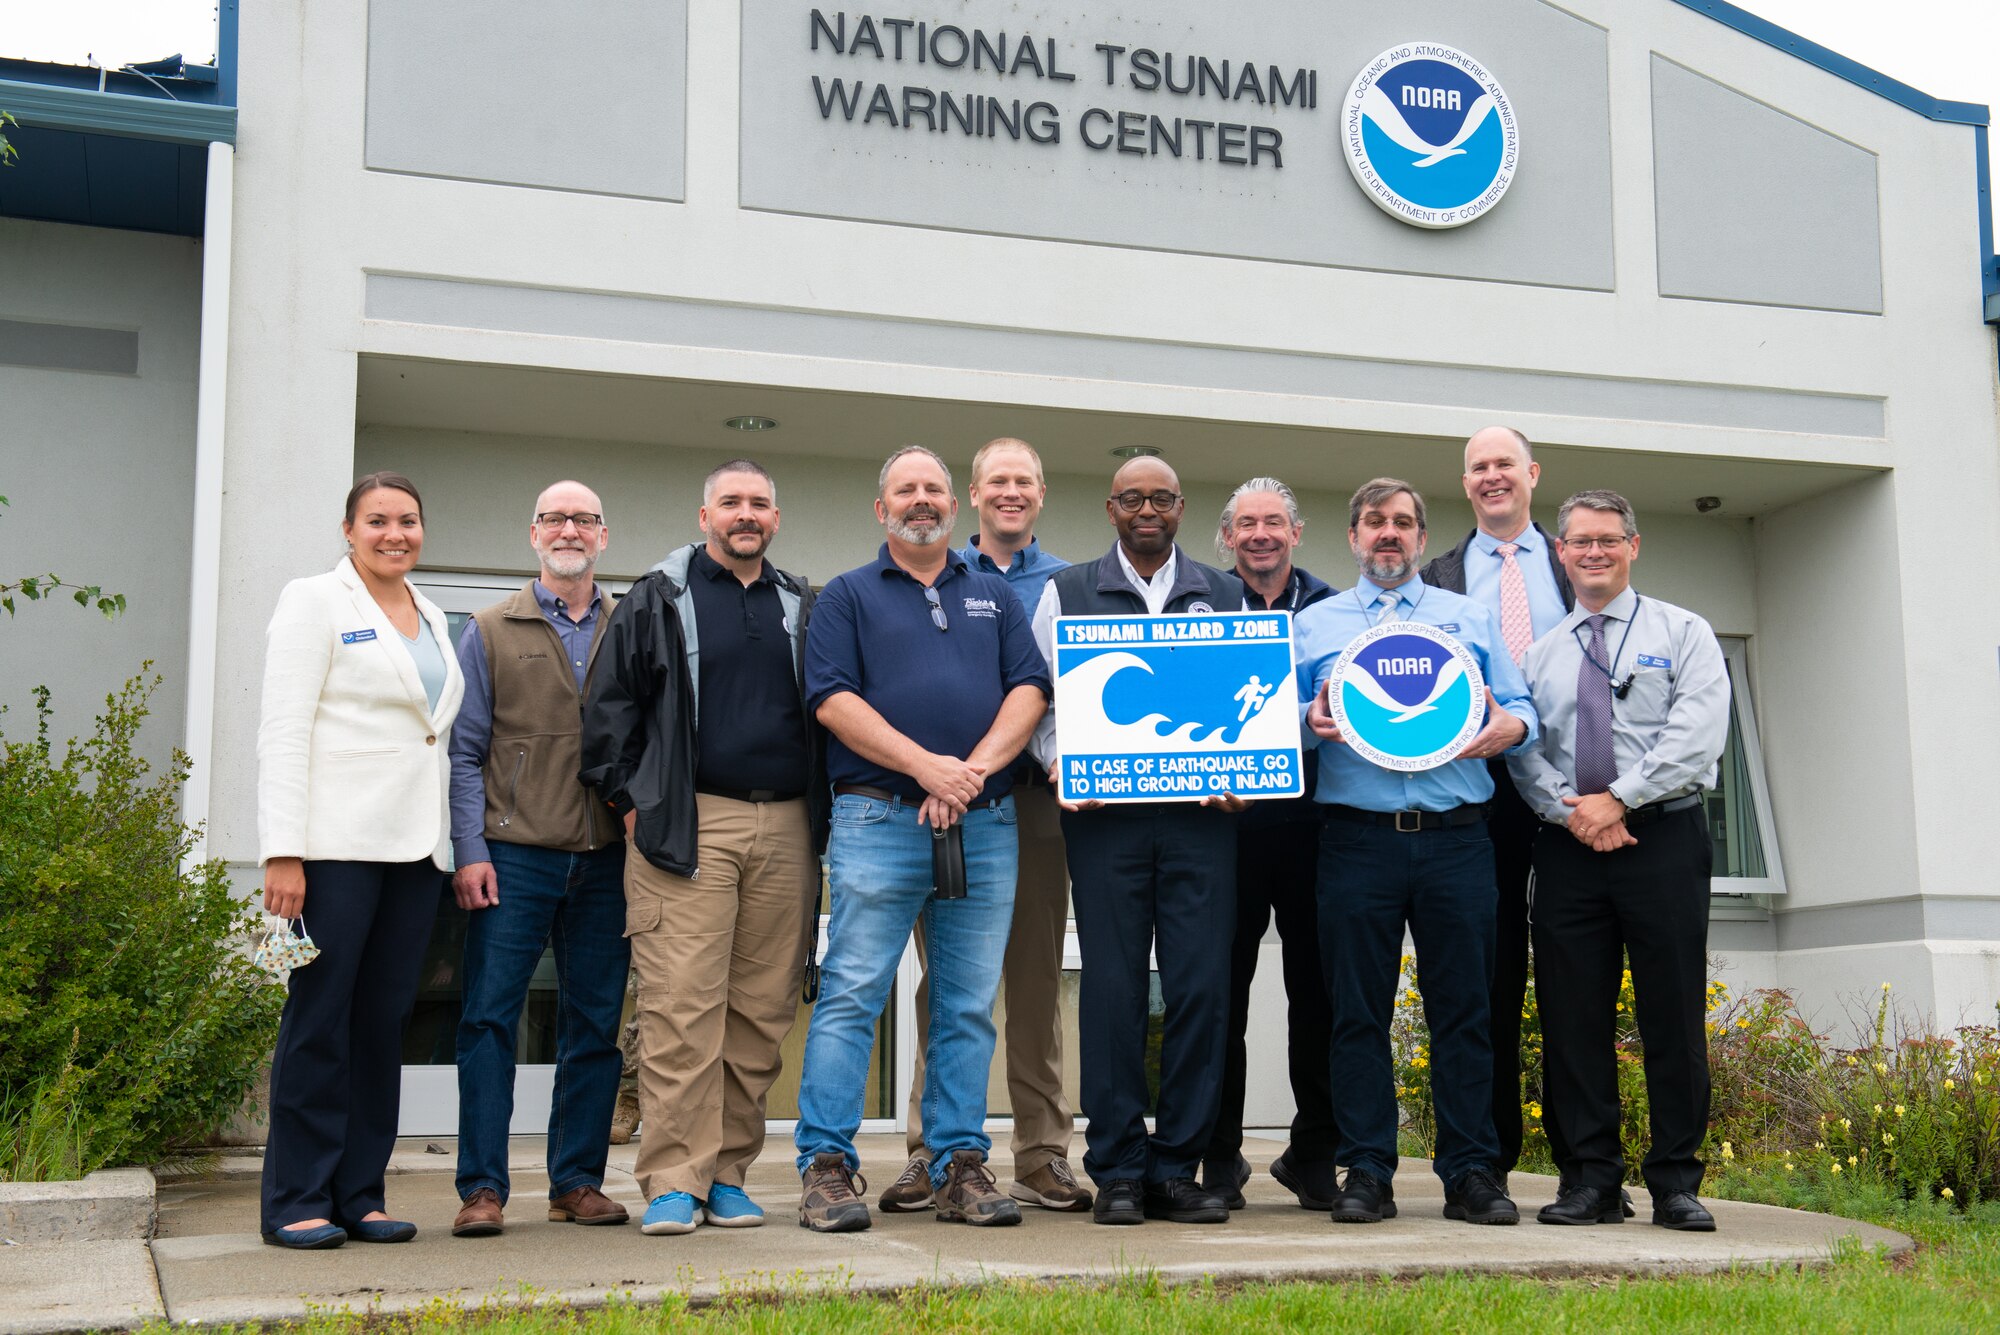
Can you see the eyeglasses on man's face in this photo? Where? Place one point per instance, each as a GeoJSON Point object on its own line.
{"type": "Point", "coordinates": [585, 521]}
{"type": "Point", "coordinates": [1132, 501]}
{"type": "Point", "coordinates": [937, 608]}
{"type": "Point", "coordinates": [1610, 544]}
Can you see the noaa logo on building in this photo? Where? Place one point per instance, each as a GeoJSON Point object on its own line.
{"type": "Point", "coordinates": [1406, 696]}
{"type": "Point", "coordinates": [1430, 135]}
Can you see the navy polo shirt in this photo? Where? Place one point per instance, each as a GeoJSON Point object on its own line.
{"type": "Point", "coordinates": [871, 633]}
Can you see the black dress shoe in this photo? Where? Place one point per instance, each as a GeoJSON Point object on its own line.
{"type": "Point", "coordinates": [1363, 1200]}
{"type": "Point", "coordinates": [1314, 1183]}
{"type": "Point", "coordinates": [1226, 1180]}
{"type": "Point", "coordinates": [1119, 1201]}
{"type": "Point", "coordinates": [1583, 1205]}
{"type": "Point", "coordinates": [1480, 1199]}
{"type": "Point", "coordinates": [1182, 1200]}
{"type": "Point", "coordinates": [1680, 1209]}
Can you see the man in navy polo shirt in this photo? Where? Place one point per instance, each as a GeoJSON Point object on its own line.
{"type": "Point", "coordinates": [926, 675]}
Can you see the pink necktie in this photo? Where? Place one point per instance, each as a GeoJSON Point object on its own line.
{"type": "Point", "coordinates": [1517, 628]}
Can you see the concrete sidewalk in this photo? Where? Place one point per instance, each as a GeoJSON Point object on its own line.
{"type": "Point", "coordinates": [211, 1265]}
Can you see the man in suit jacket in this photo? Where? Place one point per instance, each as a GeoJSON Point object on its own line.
{"type": "Point", "coordinates": [1508, 564]}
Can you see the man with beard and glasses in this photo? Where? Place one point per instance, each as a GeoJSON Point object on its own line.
{"type": "Point", "coordinates": [1408, 849]}
{"type": "Point", "coordinates": [699, 735]}
{"type": "Point", "coordinates": [538, 857]}
{"type": "Point", "coordinates": [1277, 854]}
{"type": "Point", "coordinates": [925, 673]}
{"type": "Point", "coordinates": [1147, 876]}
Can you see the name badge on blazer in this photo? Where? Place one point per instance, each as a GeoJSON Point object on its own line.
{"type": "Point", "coordinates": [356, 636]}
{"type": "Point", "coordinates": [1648, 660]}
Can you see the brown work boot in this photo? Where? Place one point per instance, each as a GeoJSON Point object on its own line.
{"type": "Point", "coordinates": [480, 1216]}
{"type": "Point", "coordinates": [911, 1191]}
{"type": "Point", "coordinates": [969, 1195]}
{"type": "Point", "coordinates": [586, 1205]}
{"type": "Point", "coordinates": [1053, 1187]}
{"type": "Point", "coordinates": [827, 1201]}
{"type": "Point", "coordinates": [625, 1118]}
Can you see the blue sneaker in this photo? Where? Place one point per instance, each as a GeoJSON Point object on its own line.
{"type": "Point", "coordinates": [729, 1207]}
{"type": "Point", "coordinates": [671, 1213]}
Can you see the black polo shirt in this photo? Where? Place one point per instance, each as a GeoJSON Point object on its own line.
{"type": "Point", "coordinates": [872, 634]}
{"type": "Point", "coordinates": [752, 733]}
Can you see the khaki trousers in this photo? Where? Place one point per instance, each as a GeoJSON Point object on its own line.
{"type": "Point", "coordinates": [1031, 982]}
{"type": "Point", "coordinates": [719, 958]}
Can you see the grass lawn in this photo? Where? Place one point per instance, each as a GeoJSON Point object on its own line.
{"type": "Point", "coordinates": [1951, 1284]}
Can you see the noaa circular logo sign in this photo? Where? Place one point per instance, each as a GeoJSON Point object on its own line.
{"type": "Point", "coordinates": [1430, 135]}
{"type": "Point", "coordinates": [1407, 696]}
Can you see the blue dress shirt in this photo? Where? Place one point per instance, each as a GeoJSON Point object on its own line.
{"type": "Point", "coordinates": [1027, 574]}
{"type": "Point", "coordinates": [1323, 631]}
{"type": "Point", "coordinates": [1482, 577]}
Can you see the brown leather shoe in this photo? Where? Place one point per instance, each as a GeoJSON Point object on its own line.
{"type": "Point", "coordinates": [480, 1216]}
{"type": "Point", "coordinates": [1053, 1187]}
{"type": "Point", "coordinates": [586, 1205]}
{"type": "Point", "coordinates": [970, 1196]}
{"type": "Point", "coordinates": [625, 1118]}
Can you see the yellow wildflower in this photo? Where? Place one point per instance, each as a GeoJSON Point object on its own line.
{"type": "Point", "coordinates": [1888, 1139]}
{"type": "Point", "coordinates": [1836, 1167]}
{"type": "Point", "coordinates": [1900, 1110]}
{"type": "Point", "coordinates": [1819, 1144]}
{"type": "Point", "coordinates": [1946, 1193]}
{"type": "Point", "coordinates": [1727, 1152]}
{"type": "Point", "coordinates": [1853, 1162]}
{"type": "Point", "coordinates": [1788, 1166]}
{"type": "Point", "coordinates": [1846, 1125]}
{"type": "Point", "coordinates": [1951, 1084]}
{"type": "Point", "coordinates": [1743, 1024]}
{"type": "Point", "coordinates": [1851, 1060]}
{"type": "Point", "coordinates": [1885, 987]}
{"type": "Point", "coordinates": [1881, 1068]}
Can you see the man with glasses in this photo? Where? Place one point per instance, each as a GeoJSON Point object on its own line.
{"type": "Point", "coordinates": [924, 672]}
{"type": "Point", "coordinates": [538, 856]}
{"type": "Point", "coordinates": [698, 733]}
{"type": "Point", "coordinates": [1148, 876]}
{"type": "Point", "coordinates": [1634, 699]}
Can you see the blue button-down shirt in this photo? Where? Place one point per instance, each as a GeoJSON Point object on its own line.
{"type": "Point", "coordinates": [472, 730]}
{"type": "Point", "coordinates": [1482, 577]}
{"type": "Point", "coordinates": [871, 633]}
{"type": "Point", "coordinates": [1027, 574]}
{"type": "Point", "coordinates": [1323, 631]}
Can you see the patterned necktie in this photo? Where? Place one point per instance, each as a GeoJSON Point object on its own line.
{"type": "Point", "coordinates": [1517, 628]}
{"type": "Point", "coordinates": [1595, 766]}
{"type": "Point", "coordinates": [1388, 603]}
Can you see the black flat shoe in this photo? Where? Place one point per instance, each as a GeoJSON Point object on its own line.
{"type": "Point", "coordinates": [382, 1230]}
{"type": "Point", "coordinates": [1680, 1210]}
{"type": "Point", "coordinates": [316, 1239]}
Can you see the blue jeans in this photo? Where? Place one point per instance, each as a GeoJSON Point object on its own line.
{"type": "Point", "coordinates": [879, 860]}
{"type": "Point", "coordinates": [573, 903]}
{"type": "Point", "coordinates": [1372, 881]}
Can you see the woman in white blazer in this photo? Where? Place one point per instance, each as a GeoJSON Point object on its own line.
{"type": "Point", "coordinates": [360, 688]}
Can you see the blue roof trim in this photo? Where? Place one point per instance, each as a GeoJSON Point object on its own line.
{"type": "Point", "coordinates": [1856, 73]}
{"type": "Point", "coordinates": [59, 108]}
{"type": "Point", "coordinates": [1989, 263]}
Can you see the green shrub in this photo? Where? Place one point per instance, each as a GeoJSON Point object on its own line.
{"type": "Point", "coordinates": [130, 1022]}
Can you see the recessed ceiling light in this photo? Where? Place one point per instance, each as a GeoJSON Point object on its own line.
{"type": "Point", "coordinates": [1134, 452]}
{"type": "Point", "coordinates": [752, 424]}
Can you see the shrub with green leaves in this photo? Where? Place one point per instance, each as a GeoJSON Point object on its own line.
{"type": "Point", "coordinates": [131, 1023]}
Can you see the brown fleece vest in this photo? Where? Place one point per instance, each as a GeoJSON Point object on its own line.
{"type": "Point", "coordinates": [532, 796]}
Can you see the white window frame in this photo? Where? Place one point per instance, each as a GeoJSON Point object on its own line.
{"type": "Point", "coordinates": [1736, 657]}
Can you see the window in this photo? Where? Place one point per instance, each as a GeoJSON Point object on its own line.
{"type": "Point", "coordinates": [1739, 806]}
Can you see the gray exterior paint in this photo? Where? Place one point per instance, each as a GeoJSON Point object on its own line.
{"type": "Point", "coordinates": [1722, 158]}
{"type": "Point", "coordinates": [520, 92]}
{"type": "Point", "coordinates": [59, 347]}
{"type": "Point", "coordinates": [1309, 211]}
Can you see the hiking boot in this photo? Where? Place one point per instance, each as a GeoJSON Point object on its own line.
{"type": "Point", "coordinates": [911, 1191]}
{"type": "Point", "coordinates": [969, 1195]}
{"type": "Point", "coordinates": [1053, 1187]}
{"type": "Point", "coordinates": [827, 1203]}
{"type": "Point", "coordinates": [625, 1118]}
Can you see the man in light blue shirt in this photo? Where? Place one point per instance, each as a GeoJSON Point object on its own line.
{"type": "Point", "coordinates": [1408, 849]}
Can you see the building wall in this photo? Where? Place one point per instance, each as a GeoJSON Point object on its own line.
{"type": "Point", "coordinates": [97, 462]}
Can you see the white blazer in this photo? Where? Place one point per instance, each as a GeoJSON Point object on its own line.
{"type": "Point", "coordinates": [352, 762]}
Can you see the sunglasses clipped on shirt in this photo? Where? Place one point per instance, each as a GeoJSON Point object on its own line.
{"type": "Point", "coordinates": [937, 608]}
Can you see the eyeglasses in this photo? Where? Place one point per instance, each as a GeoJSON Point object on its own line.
{"type": "Point", "coordinates": [1162, 501]}
{"type": "Point", "coordinates": [585, 522]}
{"type": "Point", "coordinates": [1596, 544]}
{"type": "Point", "coordinates": [937, 608]}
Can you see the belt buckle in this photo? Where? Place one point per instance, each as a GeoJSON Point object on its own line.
{"type": "Point", "coordinates": [1416, 824]}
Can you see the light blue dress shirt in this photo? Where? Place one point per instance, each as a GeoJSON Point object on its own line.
{"type": "Point", "coordinates": [1482, 577]}
{"type": "Point", "coordinates": [1323, 631]}
{"type": "Point", "coordinates": [1026, 574]}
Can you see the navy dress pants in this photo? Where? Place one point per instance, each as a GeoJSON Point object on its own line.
{"type": "Point", "coordinates": [1512, 828]}
{"type": "Point", "coordinates": [1151, 878]}
{"type": "Point", "coordinates": [336, 1077]}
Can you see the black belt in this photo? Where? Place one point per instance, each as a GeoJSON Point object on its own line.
{"type": "Point", "coordinates": [749, 794]}
{"type": "Point", "coordinates": [1654, 810]}
{"type": "Point", "coordinates": [1409, 822]}
{"type": "Point", "coordinates": [1027, 774]}
{"type": "Point", "coordinates": [863, 790]}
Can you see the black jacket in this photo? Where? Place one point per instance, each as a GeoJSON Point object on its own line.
{"type": "Point", "coordinates": [640, 722]}
{"type": "Point", "coordinates": [1448, 571]}
{"type": "Point", "coordinates": [1305, 590]}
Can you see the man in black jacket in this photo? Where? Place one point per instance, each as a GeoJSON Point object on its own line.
{"type": "Point", "coordinates": [1509, 563]}
{"type": "Point", "coordinates": [1148, 875]}
{"type": "Point", "coordinates": [698, 734]}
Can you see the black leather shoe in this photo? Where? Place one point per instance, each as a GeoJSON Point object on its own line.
{"type": "Point", "coordinates": [1363, 1200]}
{"type": "Point", "coordinates": [1582, 1205]}
{"type": "Point", "coordinates": [1680, 1209]}
{"type": "Point", "coordinates": [1625, 1203]}
{"type": "Point", "coordinates": [1314, 1183]}
{"type": "Point", "coordinates": [1182, 1200]}
{"type": "Point", "coordinates": [1119, 1201]}
{"type": "Point", "coordinates": [316, 1239]}
{"type": "Point", "coordinates": [1226, 1180]}
{"type": "Point", "coordinates": [1480, 1199]}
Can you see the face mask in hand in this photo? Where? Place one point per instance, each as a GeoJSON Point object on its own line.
{"type": "Point", "coordinates": [283, 950]}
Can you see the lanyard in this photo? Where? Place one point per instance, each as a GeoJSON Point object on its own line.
{"type": "Point", "coordinates": [1577, 631]}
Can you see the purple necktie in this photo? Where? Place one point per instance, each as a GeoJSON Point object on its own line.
{"type": "Point", "coordinates": [1595, 765]}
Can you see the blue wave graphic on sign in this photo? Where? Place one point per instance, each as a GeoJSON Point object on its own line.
{"type": "Point", "coordinates": [1211, 695]}
{"type": "Point", "coordinates": [1432, 134]}
{"type": "Point", "coordinates": [1401, 729]}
